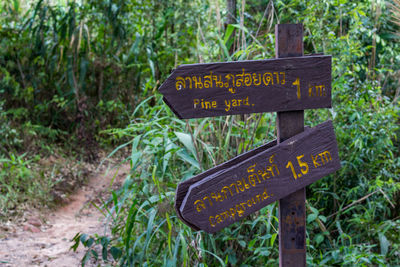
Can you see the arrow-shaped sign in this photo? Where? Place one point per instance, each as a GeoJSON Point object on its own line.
{"type": "Point", "coordinates": [229, 194]}
{"type": "Point", "coordinates": [241, 87]}
{"type": "Point", "coordinates": [183, 187]}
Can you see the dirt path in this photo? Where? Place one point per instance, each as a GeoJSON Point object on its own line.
{"type": "Point", "coordinates": [44, 240]}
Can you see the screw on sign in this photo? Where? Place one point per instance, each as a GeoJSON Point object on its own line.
{"type": "Point", "coordinates": [279, 170]}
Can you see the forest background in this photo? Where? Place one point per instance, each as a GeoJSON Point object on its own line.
{"type": "Point", "coordinates": [81, 77]}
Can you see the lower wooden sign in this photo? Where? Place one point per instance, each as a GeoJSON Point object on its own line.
{"type": "Point", "coordinates": [184, 186]}
{"type": "Point", "coordinates": [226, 195]}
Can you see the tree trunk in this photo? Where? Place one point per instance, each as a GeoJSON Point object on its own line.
{"type": "Point", "coordinates": [231, 6]}
{"type": "Point", "coordinates": [231, 19]}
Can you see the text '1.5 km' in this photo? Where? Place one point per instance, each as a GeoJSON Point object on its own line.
{"type": "Point", "coordinates": [229, 194]}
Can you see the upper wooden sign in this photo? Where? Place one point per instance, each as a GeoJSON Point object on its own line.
{"type": "Point", "coordinates": [229, 194]}
{"type": "Point", "coordinates": [241, 87]}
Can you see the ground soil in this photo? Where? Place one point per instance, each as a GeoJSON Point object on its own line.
{"type": "Point", "coordinates": [44, 239]}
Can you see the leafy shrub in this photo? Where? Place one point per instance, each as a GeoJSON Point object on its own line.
{"type": "Point", "coordinates": [20, 184]}
{"type": "Point", "coordinates": [62, 66]}
{"type": "Point", "coordinates": [351, 215]}
{"type": "Point", "coordinates": [144, 227]}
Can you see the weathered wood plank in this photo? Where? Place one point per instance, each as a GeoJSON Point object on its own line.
{"type": "Point", "coordinates": [241, 87]}
{"type": "Point", "coordinates": [292, 210]}
{"type": "Point", "coordinates": [183, 187]}
{"type": "Point", "coordinates": [229, 195]}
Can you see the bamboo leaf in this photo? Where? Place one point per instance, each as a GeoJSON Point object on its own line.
{"type": "Point", "coordinates": [187, 141]}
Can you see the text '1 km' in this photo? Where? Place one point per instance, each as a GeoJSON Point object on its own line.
{"type": "Point", "coordinates": [242, 87]}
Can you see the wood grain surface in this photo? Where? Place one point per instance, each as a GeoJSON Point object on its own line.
{"type": "Point", "coordinates": [292, 208]}
{"type": "Point", "coordinates": [242, 87]}
{"type": "Point", "coordinates": [183, 187]}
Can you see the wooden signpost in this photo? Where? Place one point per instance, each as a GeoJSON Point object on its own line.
{"type": "Point", "coordinates": [292, 209]}
{"type": "Point", "coordinates": [227, 196]}
{"type": "Point", "coordinates": [279, 170]}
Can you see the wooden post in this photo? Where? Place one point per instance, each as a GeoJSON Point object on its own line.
{"type": "Point", "coordinates": [292, 211]}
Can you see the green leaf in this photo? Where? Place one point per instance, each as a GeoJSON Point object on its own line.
{"type": "Point", "coordinates": [187, 141]}
{"type": "Point", "coordinates": [85, 258]}
{"type": "Point", "coordinates": [116, 253]}
{"type": "Point", "coordinates": [150, 228]}
{"type": "Point", "coordinates": [273, 238]}
{"type": "Point", "coordinates": [168, 153]}
{"type": "Point", "coordinates": [76, 239]}
{"type": "Point", "coordinates": [89, 242]}
{"type": "Point", "coordinates": [224, 48]}
{"type": "Point", "coordinates": [311, 217]}
{"type": "Point", "coordinates": [185, 157]}
{"type": "Point", "coordinates": [384, 243]}
{"type": "Point", "coordinates": [169, 233]}
{"type": "Point", "coordinates": [319, 238]}
{"type": "Point", "coordinates": [242, 243]}
{"type": "Point", "coordinates": [314, 210]}
{"type": "Point", "coordinates": [104, 253]}
{"type": "Point", "coordinates": [322, 218]}
{"type": "Point", "coordinates": [95, 255]}
{"type": "Point", "coordinates": [265, 252]}
{"type": "Point", "coordinates": [130, 222]}
{"type": "Point", "coordinates": [252, 242]}
{"type": "Point", "coordinates": [83, 238]}
{"type": "Point", "coordinates": [228, 33]}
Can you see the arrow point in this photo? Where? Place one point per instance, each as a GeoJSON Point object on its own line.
{"type": "Point", "coordinates": [170, 106]}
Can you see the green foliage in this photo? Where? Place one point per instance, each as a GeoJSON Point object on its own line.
{"type": "Point", "coordinates": [352, 218]}
{"type": "Point", "coordinates": [69, 69]}
{"type": "Point", "coordinates": [105, 59]}
{"type": "Point", "coordinates": [97, 57]}
{"type": "Point", "coordinates": [144, 225]}
{"type": "Point", "coordinates": [19, 183]}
